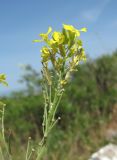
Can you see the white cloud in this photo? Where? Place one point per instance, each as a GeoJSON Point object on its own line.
{"type": "Point", "coordinates": [94, 13]}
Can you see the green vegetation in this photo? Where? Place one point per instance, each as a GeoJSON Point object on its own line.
{"type": "Point", "coordinates": [86, 109]}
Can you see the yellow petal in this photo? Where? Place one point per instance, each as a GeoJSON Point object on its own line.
{"type": "Point", "coordinates": [68, 27]}
{"type": "Point", "coordinates": [58, 37]}
{"type": "Point", "coordinates": [49, 30]}
{"type": "Point", "coordinates": [72, 29]}
{"type": "Point", "coordinates": [83, 30]}
{"type": "Point", "coordinates": [77, 33]}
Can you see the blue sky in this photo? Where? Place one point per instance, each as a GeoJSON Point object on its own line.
{"type": "Point", "coordinates": [22, 21]}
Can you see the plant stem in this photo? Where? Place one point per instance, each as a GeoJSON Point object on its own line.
{"type": "Point", "coordinates": [7, 154]}
{"type": "Point", "coordinates": [49, 113]}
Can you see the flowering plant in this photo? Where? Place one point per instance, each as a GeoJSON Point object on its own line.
{"type": "Point", "coordinates": [63, 50]}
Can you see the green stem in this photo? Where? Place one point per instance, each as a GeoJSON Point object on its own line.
{"type": "Point", "coordinates": [1, 154]}
{"type": "Point", "coordinates": [56, 106]}
{"type": "Point", "coordinates": [4, 140]}
{"type": "Point", "coordinates": [27, 151]}
{"type": "Point", "coordinates": [49, 113]}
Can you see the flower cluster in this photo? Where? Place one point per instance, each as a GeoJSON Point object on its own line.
{"type": "Point", "coordinates": [63, 49]}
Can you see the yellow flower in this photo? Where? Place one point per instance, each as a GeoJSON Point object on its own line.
{"type": "Point", "coordinates": [3, 79]}
{"type": "Point", "coordinates": [44, 36]}
{"type": "Point", "coordinates": [45, 54]}
{"type": "Point", "coordinates": [58, 37]}
{"type": "Point", "coordinates": [72, 29]}
{"type": "Point", "coordinates": [52, 42]}
{"type": "Point", "coordinates": [76, 60]}
{"type": "Point", "coordinates": [65, 45]}
{"type": "Point", "coordinates": [68, 27]}
{"type": "Point", "coordinates": [63, 82]}
{"type": "Point", "coordinates": [83, 55]}
{"type": "Point", "coordinates": [83, 29]}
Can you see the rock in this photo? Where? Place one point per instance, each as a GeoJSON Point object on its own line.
{"type": "Point", "coordinates": [108, 152]}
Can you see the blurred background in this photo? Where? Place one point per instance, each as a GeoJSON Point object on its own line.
{"type": "Point", "coordinates": [89, 107]}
